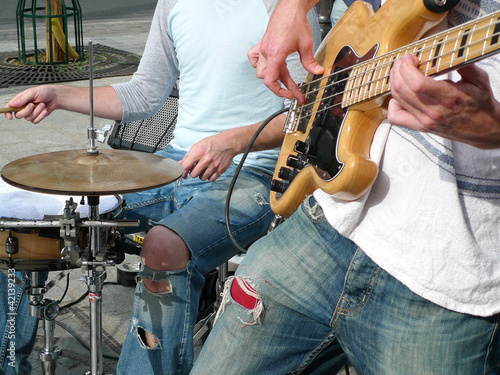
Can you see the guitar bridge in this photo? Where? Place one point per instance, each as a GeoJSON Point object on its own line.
{"type": "Point", "coordinates": [291, 122]}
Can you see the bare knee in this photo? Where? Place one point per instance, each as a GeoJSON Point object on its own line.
{"type": "Point", "coordinates": [163, 250]}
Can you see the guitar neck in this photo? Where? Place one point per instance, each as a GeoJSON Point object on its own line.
{"type": "Point", "coordinates": [438, 54]}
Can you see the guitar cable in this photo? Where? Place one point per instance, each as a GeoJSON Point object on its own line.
{"type": "Point", "coordinates": [237, 172]}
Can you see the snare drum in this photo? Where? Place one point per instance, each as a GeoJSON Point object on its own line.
{"type": "Point", "coordinates": [38, 249]}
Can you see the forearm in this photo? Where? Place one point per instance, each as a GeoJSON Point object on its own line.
{"type": "Point", "coordinates": [270, 137]}
{"type": "Point", "coordinates": [211, 157]}
{"type": "Point", "coordinates": [77, 99]}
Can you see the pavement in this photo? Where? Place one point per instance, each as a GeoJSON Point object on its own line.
{"type": "Point", "coordinates": [62, 131]}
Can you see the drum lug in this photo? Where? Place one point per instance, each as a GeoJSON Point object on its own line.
{"type": "Point", "coordinates": [11, 245]}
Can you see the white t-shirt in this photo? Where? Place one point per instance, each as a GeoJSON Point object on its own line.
{"type": "Point", "coordinates": [432, 217]}
{"type": "Point", "coordinates": [205, 45]}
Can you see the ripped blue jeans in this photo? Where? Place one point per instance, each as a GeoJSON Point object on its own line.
{"type": "Point", "coordinates": [305, 300]}
{"type": "Point", "coordinates": [194, 209]}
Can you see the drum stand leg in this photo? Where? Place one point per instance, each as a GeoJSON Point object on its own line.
{"type": "Point", "coordinates": [95, 274]}
{"type": "Point", "coordinates": [94, 280]}
{"type": "Point", "coordinates": [47, 310]}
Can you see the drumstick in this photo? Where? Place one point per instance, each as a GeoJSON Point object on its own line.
{"type": "Point", "coordinates": [11, 109]}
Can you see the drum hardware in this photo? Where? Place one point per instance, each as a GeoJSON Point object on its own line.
{"type": "Point", "coordinates": [204, 326]}
{"type": "Point", "coordinates": [91, 133]}
{"type": "Point", "coordinates": [89, 173]}
{"type": "Point", "coordinates": [103, 133]}
{"type": "Point", "coordinates": [68, 231]}
{"type": "Point", "coordinates": [46, 310]}
{"type": "Point", "coordinates": [11, 245]}
{"type": "Point", "coordinates": [94, 269]}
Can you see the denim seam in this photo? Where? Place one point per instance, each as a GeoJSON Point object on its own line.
{"type": "Point", "coordinates": [214, 244]}
{"type": "Point", "coordinates": [490, 345]}
{"type": "Point", "coordinates": [367, 294]}
{"type": "Point", "coordinates": [343, 310]}
{"type": "Point", "coordinates": [149, 202]}
{"type": "Point", "coordinates": [187, 312]}
{"type": "Point", "coordinates": [314, 353]}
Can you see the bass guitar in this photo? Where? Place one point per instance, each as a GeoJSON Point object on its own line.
{"type": "Point", "coordinates": [328, 139]}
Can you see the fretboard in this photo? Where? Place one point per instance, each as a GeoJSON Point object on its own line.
{"type": "Point", "coordinates": [438, 54]}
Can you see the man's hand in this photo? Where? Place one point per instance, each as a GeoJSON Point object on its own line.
{"type": "Point", "coordinates": [464, 111]}
{"type": "Point", "coordinates": [209, 158]}
{"type": "Point", "coordinates": [288, 31]}
{"type": "Point", "coordinates": [39, 101]}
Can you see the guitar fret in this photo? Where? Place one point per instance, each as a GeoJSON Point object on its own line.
{"type": "Point", "coordinates": [367, 79]}
{"type": "Point", "coordinates": [471, 34]}
{"type": "Point", "coordinates": [357, 82]}
{"type": "Point", "coordinates": [438, 53]}
{"type": "Point", "coordinates": [346, 98]}
{"type": "Point", "coordinates": [379, 77]}
{"type": "Point", "coordinates": [437, 50]}
{"type": "Point", "coordinates": [426, 55]}
{"type": "Point", "coordinates": [376, 78]}
{"type": "Point", "coordinates": [463, 43]}
{"type": "Point", "coordinates": [448, 50]}
{"type": "Point", "coordinates": [496, 32]}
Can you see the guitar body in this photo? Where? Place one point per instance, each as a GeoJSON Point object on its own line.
{"type": "Point", "coordinates": [330, 149]}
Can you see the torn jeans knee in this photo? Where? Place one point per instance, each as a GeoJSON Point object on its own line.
{"type": "Point", "coordinates": [150, 307]}
{"type": "Point", "coordinates": [242, 291]}
{"type": "Point", "coordinates": [161, 326]}
{"type": "Point", "coordinates": [155, 276]}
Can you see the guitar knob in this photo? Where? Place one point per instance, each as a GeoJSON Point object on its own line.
{"type": "Point", "coordinates": [279, 186]}
{"type": "Point", "coordinates": [295, 162]}
{"type": "Point", "coordinates": [287, 173]}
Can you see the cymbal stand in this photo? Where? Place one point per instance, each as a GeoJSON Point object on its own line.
{"type": "Point", "coordinates": [94, 269]}
{"type": "Point", "coordinates": [94, 262]}
{"type": "Point", "coordinates": [91, 132]}
{"type": "Point", "coordinates": [46, 310]}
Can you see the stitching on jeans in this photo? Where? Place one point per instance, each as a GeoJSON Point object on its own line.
{"type": "Point", "coordinates": [496, 332]}
{"type": "Point", "coordinates": [366, 295]}
{"type": "Point", "coordinates": [314, 353]}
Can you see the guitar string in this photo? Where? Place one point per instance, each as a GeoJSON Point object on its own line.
{"type": "Point", "coordinates": [386, 87]}
{"type": "Point", "coordinates": [385, 65]}
{"type": "Point", "coordinates": [416, 43]}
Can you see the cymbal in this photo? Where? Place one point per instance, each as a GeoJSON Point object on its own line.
{"type": "Point", "coordinates": [75, 172]}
